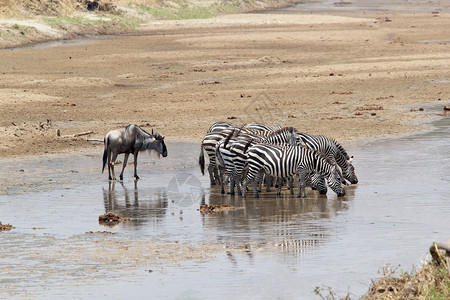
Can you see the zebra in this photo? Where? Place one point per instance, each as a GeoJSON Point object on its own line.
{"type": "Point", "coordinates": [208, 145]}
{"type": "Point", "coordinates": [284, 162]}
{"type": "Point", "coordinates": [331, 149]}
{"type": "Point", "coordinates": [234, 158]}
{"type": "Point", "coordinates": [262, 127]}
{"type": "Point", "coordinates": [220, 126]}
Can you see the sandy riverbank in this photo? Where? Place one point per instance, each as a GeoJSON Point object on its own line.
{"type": "Point", "coordinates": [352, 75]}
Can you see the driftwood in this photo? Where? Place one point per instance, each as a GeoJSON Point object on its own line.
{"type": "Point", "coordinates": [77, 134]}
{"type": "Point", "coordinates": [83, 133]}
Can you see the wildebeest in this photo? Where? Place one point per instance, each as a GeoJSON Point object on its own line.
{"type": "Point", "coordinates": [130, 139]}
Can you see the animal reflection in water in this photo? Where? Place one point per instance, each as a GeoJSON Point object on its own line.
{"type": "Point", "coordinates": [140, 206]}
{"type": "Point", "coordinates": [130, 139]}
{"type": "Point", "coordinates": [283, 225]}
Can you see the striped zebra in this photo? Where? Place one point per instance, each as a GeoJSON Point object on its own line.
{"type": "Point", "coordinates": [284, 162]}
{"type": "Point", "coordinates": [208, 145]}
{"type": "Point", "coordinates": [262, 127]}
{"type": "Point", "coordinates": [221, 126]}
{"type": "Point", "coordinates": [217, 132]}
{"type": "Point", "coordinates": [331, 149]}
{"type": "Point", "coordinates": [231, 152]}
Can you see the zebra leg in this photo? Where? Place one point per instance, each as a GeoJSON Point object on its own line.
{"type": "Point", "coordinates": [269, 182]}
{"type": "Point", "coordinates": [301, 185]}
{"type": "Point", "coordinates": [238, 187]}
{"type": "Point", "coordinates": [244, 187]}
{"type": "Point", "coordinates": [211, 168]}
{"type": "Point", "coordinates": [279, 185]}
{"type": "Point", "coordinates": [260, 183]}
{"type": "Point", "coordinates": [217, 174]}
{"type": "Point", "coordinates": [255, 190]}
{"type": "Point", "coordinates": [291, 185]}
{"type": "Point", "coordinates": [222, 184]}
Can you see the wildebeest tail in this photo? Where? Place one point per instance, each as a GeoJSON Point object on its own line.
{"type": "Point", "coordinates": [105, 154]}
{"type": "Point", "coordinates": [201, 160]}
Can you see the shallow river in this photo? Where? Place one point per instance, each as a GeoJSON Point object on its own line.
{"type": "Point", "coordinates": [275, 247]}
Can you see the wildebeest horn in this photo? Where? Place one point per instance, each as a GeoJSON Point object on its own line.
{"type": "Point", "coordinates": [152, 131]}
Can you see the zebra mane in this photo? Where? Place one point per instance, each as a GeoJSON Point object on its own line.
{"type": "Point", "coordinates": [324, 156]}
{"type": "Point", "coordinates": [281, 130]}
{"type": "Point", "coordinates": [341, 148]}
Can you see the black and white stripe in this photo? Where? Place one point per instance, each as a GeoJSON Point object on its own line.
{"type": "Point", "coordinates": [232, 151]}
{"type": "Point", "coordinates": [331, 149]}
{"type": "Point", "coordinates": [284, 162]}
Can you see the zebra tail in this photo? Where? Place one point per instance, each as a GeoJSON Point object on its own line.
{"type": "Point", "coordinates": [219, 158]}
{"type": "Point", "coordinates": [201, 160]}
{"type": "Point", "coordinates": [105, 154]}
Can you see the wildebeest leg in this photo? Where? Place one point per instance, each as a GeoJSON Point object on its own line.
{"type": "Point", "coordinates": [108, 161]}
{"type": "Point", "coordinates": [135, 165]}
{"type": "Point", "coordinates": [125, 161]}
{"type": "Point", "coordinates": [111, 164]}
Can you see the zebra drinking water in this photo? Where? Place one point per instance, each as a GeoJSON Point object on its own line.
{"type": "Point", "coordinates": [331, 149]}
{"type": "Point", "coordinates": [284, 162]}
{"type": "Point", "coordinates": [232, 156]}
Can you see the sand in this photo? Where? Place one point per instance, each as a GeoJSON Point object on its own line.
{"type": "Point", "coordinates": [352, 75]}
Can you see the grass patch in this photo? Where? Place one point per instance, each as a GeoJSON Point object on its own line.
{"type": "Point", "coordinates": [430, 282]}
{"type": "Point", "coordinates": [188, 11]}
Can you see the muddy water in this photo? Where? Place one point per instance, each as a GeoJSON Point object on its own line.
{"type": "Point", "coordinates": [274, 247]}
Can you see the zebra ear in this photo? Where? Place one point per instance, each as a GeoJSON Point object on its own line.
{"type": "Point", "coordinates": [350, 160]}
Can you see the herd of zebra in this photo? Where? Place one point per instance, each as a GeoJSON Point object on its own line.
{"type": "Point", "coordinates": [260, 153]}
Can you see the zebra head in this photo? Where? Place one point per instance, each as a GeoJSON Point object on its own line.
{"type": "Point", "coordinates": [316, 181]}
{"type": "Point", "coordinates": [334, 182]}
{"type": "Point", "coordinates": [349, 172]}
